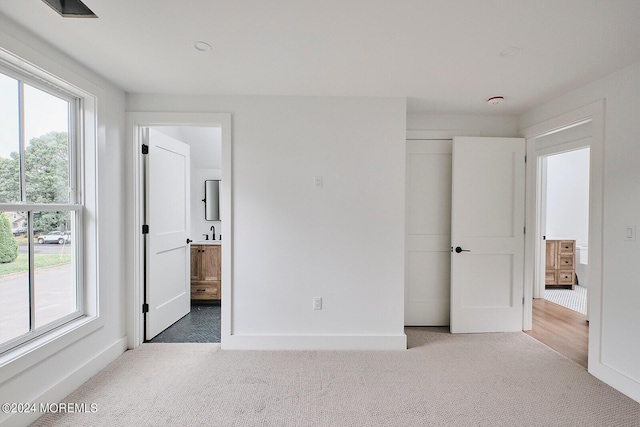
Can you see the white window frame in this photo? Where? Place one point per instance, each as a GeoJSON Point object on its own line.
{"type": "Point", "coordinates": [73, 205]}
{"type": "Point", "coordinates": [83, 157]}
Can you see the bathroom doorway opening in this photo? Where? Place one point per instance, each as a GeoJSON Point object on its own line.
{"type": "Point", "coordinates": [184, 125]}
{"type": "Point", "coordinates": [559, 308]}
{"type": "Point", "coordinates": [565, 227]}
{"type": "Point", "coordinates": [202, 322]}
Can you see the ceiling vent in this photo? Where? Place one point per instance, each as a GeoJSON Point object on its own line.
{"type": "Point", "coordinates": [70, 8]}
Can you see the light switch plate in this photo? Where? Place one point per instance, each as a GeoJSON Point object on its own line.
{"type": "Point", "coordinates": [630, 233]}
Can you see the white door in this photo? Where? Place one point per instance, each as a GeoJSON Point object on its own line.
{"type": "Point", "coordinates": [168, 217]}
{"type": "Point", "coordinates": [428, 240]}
{"type": "Point", "coordinates": [487, 234]}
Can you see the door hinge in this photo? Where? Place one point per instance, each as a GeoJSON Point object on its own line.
{"type": "Point", "coordinates": [145, 308]}
{"type": "Point", "coordinates": [525, 159]}
{"type": "Point", "coordinates": [145, 149]}
{"type": "Point", "coordinates": [524, 230]}
{"type": "Point", "coordinates": [145, 229]}
{"type": "Point", "coordinates": [522, 300]}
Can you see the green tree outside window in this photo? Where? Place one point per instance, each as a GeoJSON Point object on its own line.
{"type": "Point", "coordinates": [46, 176]}
{"type": "Point", "coordinates": [8, 245]}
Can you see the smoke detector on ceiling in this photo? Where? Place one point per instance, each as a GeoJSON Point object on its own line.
{"type": "Point", "coordinates": [495, 100]}
{"type": "Point", "coordinates": [202, 46]}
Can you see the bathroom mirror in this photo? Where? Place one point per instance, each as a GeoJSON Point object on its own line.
{"type": "Point", "coordinates": [211, 200]}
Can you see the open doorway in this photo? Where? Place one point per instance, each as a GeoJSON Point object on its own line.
{"type": "Point", "coordinates": [201, 324]}
{"type": "Point", "coordinates": [565, 227]}
{"type": "Point", "coordinates": [187, 123]}
{"type": "Point", "coordinates": [560, 286]}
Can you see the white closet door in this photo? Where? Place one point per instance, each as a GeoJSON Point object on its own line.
{"type": "Point", "coordinates": [428, 198]}
{"type": "Point", "coordinates": [487, 234]}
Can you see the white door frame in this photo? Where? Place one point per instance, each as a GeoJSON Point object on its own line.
{"type": "Point", "coordinates": [134, 261]}
{"type": "Point", "coordinates": [593, 113]}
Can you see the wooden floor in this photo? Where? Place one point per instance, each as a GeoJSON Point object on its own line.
{"type": "Point", "coordinates": [564, 330]}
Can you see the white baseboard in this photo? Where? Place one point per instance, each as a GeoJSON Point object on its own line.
{"type": "Point", "coordinates": [314, 342]}
{"type": "Point", "coordinates": [615, 379]}
{"type": "Point", "coordinates": [68, 384]}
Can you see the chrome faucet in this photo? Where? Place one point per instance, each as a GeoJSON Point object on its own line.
{"type": "Point", "coordinates": [213, 234]}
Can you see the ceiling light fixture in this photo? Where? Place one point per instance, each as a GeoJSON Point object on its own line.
{"type": "Point", "coordinates": [202, 46]}
{"type": "Point", "coordinates": [495, 100]}
{"type": "Point", "coordinates": [510, 51]}
{"type": "Point", "coordinates": [70, 8]}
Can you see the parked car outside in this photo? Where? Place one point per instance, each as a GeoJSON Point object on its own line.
{"type": "Point", "coordinates": [19, 230]}
{"type": "Point", "coordinates": [58, 237]}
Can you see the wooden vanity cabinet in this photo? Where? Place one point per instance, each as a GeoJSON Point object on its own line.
{"type": "Point", "coordinates": [560, 263]}
{"type": "Point", "coordinates": [205, 272]}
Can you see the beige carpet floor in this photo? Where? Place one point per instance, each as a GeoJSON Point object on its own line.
{"type": "Point", "coordinates": [442, 380]}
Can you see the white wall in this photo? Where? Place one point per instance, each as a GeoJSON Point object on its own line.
{"type": "Point", "coordinates": [619, 350]}
{"type": "Point", "coordinates": [568, 196]}
{"type": "Point", "coordinates": [469, 125]}
{"type": "Point", "coordinates": [59, 374]}
{"type": "Point", "coordinates": [291, 243]}
{"type": "Point", "coordinates": [199, 225]}
{"type": "Point", "coordinates": [206, 163]}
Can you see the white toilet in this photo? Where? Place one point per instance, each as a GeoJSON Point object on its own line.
{"type": "Point", "coordinates": [582, 260]}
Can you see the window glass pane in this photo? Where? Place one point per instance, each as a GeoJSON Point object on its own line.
{"type": "Point", "coordinates": [9, 140]}
{"type": "Point", "coordinates": [14, 276]}
{"type": "Point", "coordinates": [39, 283]}
{"type": "Point", "coordinates": [46, 127]}
{"type": "Point", "coordinates": [55, 272]}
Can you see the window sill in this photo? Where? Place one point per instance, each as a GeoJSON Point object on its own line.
{"type": "Point", "coordinates": [28, 354]}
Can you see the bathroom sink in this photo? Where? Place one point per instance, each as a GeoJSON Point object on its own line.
{"type": "Point", "coordinates": [207, 242]}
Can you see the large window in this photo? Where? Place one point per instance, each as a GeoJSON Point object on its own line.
{"type": "Point", "coordinates": [40, 209]}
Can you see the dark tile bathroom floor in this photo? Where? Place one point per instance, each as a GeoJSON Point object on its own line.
{"type": "Point", "coordinates": [202, 324]}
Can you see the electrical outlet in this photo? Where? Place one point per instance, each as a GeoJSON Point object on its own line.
{"type": "Point", "coordinates": [317, 182]}
{"type": "Point", "coordinates": [317, 303]}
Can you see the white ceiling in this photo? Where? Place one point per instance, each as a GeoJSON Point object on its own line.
{"type": "Point", "coordinates": [444, 55]}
